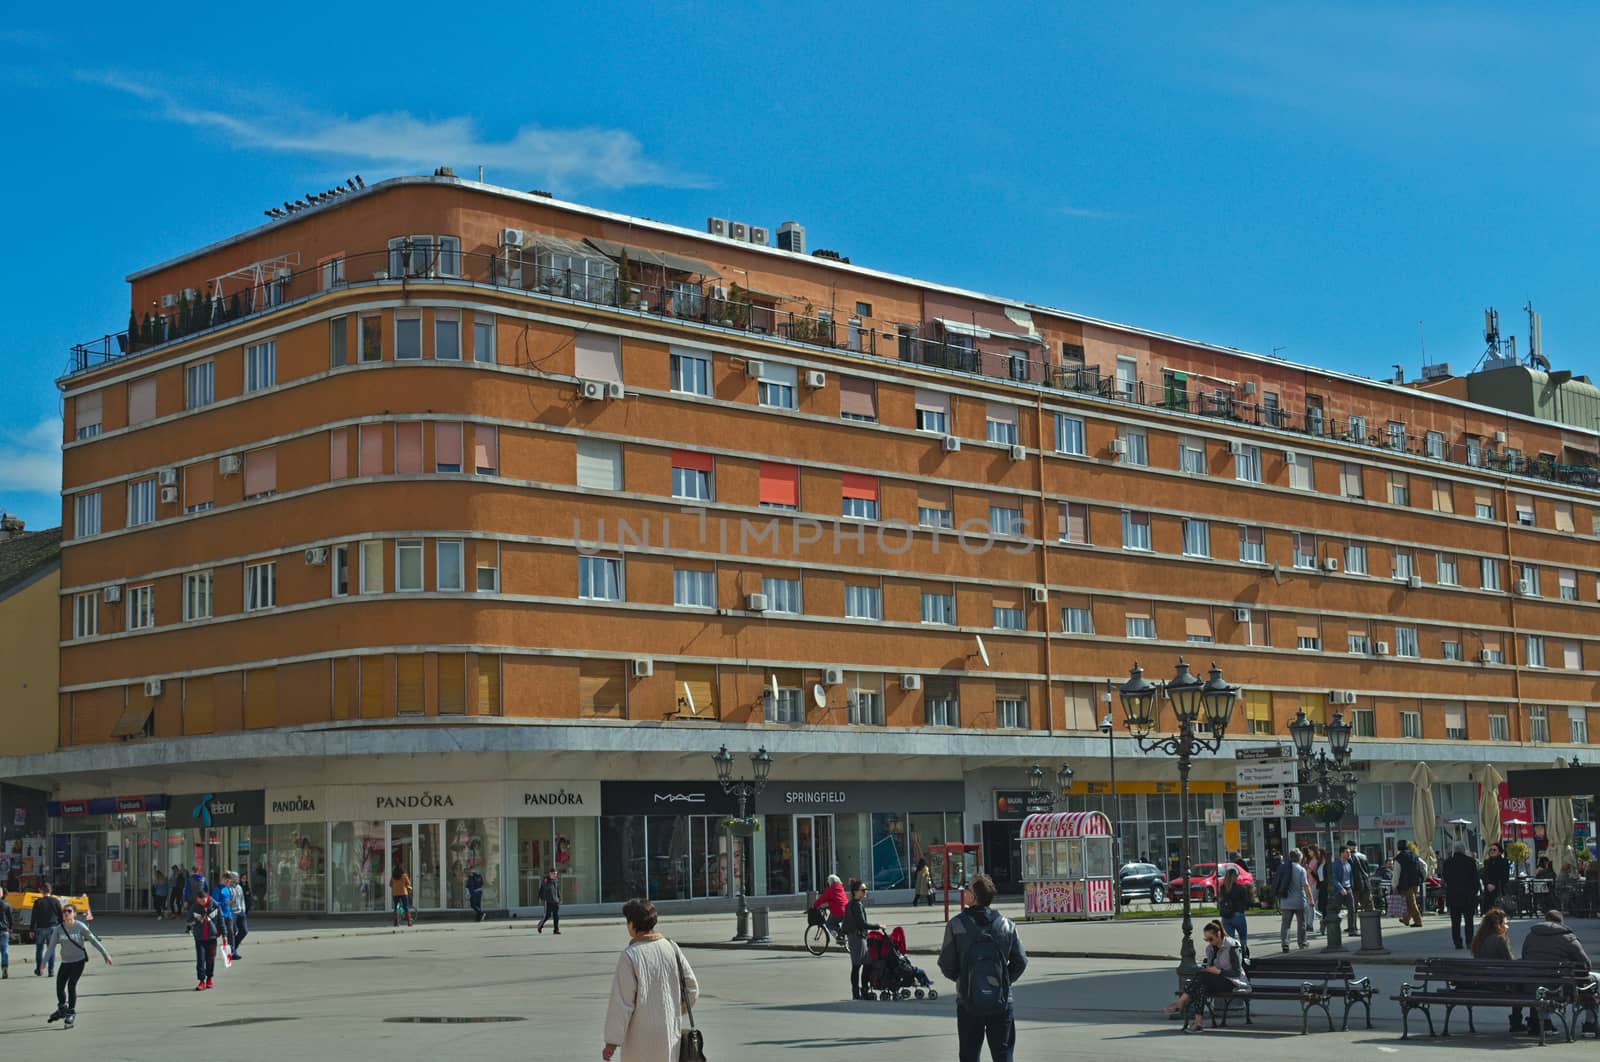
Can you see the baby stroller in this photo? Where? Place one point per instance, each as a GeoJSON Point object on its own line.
{"type": "Point", "coordinates": [890, 975]}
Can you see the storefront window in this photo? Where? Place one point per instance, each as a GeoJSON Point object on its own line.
{"type": "Point", "coordinates": [575, 852]}
{"type": "Point", "coordinates": [288, 868]}
{"type": "Point", "coordinates": [534, 855]}
{"type": "Point", "coordinates": [669, 857]}
{"type": "Point", "coordinates": [889, 851]}
{"type": "Point", "coordinates": [779, 836]}
{"type": "Point", "coordinates": [927, 829]}
{"type": "Point", "coordinates": [853, 859]}
{"type": "Point", "coordinates": [359, 867]}
{"type": "Point", "coordinates": [472, 844]}
{"type": "Point", "coordinates": [622, 855]}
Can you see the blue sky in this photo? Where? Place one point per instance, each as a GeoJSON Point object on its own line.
{"type": "Point", "coordinates": [1316, 178]}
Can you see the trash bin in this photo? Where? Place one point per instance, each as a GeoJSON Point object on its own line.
{"type": "Point", "coordinates": [1372, 933]}
{"type": "Point", "coordinates": [759, 931]}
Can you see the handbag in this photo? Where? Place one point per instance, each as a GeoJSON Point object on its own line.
{"type": "Point", "coordinates": [691, 1043]}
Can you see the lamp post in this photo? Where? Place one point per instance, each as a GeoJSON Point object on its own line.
{"type": "Point", "coordinates": [1334, 783]}
{"type": "Point", "coordinates": [1108, 727]}
{"type": "Point", "coordinates": [746, 790]}
{"type": "Point", "coordinates": [1036, 793]}
{"type": "Point", "coordinates": [1202, 710]}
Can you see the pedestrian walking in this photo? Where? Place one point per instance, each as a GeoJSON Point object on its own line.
{"type": "Point", "coordinates": [1274, 861]}
{"type": "Point", "coordinates": [205, 924]}
{"type": "Point", "coordinates": [240, 901]}
{"type": "Point", "coordinates": [856, 927]}
{"type": "Point", "coordinates": [1233, 900]}
{"type": "Point", "coordinates": [1460, 876]}
{"type": "Point", "coordinates": [46, 916]}
{"type": "Point", "coordinates": [475, 892]}
{"type": "Point", "coordinates": [1492, 943]}
{"type": "Point", "coordinates": [159, 890]}
{"type": "Point", "coordinates": [72, 939]}
{"type": "Point", "coordinates": [1222, 970]}
{"type": "Point", "coordinates": [1409, 876]}
{"type": "Point", "coordinates": [1361, 879]}
{"type": "Point", "coordinates": [177, 892]}
{"type": "Point", "coordinates": [5, 936]}
{"type": "Point", "coordinates": [1554, 941]}
{"type": "Point", "coordinates": [984, 956]}
{"type": "Point", "coordinates": [550, 896]}
{"type": "Point", "coordinates": [924, 884]}
{"type": "Point", "coordinates": [222, 897]}
{"type": "Point", "coordinates": [1294, 897]}
{"type": "Point", "coordinates": [1496, 876]}
{"type": "Point", "coordinates": [400, 895]}
{"type": "Point", "coordinates": [653, 993]}
{"type": "Point", "coordinates": [1341, 889]}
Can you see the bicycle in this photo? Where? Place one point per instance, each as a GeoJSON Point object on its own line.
{"type": "Point", "coordinates": [819, 935]}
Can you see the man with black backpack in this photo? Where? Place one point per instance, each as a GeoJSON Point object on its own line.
{"type": "Point", "coordinates": [983, 956]}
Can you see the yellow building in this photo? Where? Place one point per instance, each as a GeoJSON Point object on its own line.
{"type": "Point", "coordinates": [30, 604]}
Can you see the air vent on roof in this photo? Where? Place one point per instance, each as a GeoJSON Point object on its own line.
{"type": "Point", "coordinates": [1441, 371]}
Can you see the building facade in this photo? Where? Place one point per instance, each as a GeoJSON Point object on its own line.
{"type": "Point", "coordinates": [904, 536]}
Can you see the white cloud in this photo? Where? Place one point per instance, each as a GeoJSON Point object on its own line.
{"type": "Point", "coordinates": [557, 158]}
{"type": "Point", "coordinates": [30, 459]}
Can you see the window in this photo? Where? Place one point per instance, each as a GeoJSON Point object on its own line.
{"type": "Point", "coordinates": [86, 614]}
{"type": "Point", "coordinates": [1489, 573]}
{"type": "Point", "coordinates": [1539, 724]}
{"type": "Point", "coordinates": [338, 341]}
{"type": "Point", "coordinates": [141, 502]}
{"type": "Point", "coordinates": [1411, 724]}
{"type": "Point", "coordinates": [1528, 580]}
{"type": "Point", "coordinates": [198, 385]}
{"type": "Point", "coordinates": [1191, 455]}
{"type": "Point", "coordinates": [449, 566]}
{"type": "Point", "coordinates": [783, 595]}
{"type": "Point", "coordinates": [1474, 453]}
{"type": "Point", "coordinates": [1196, 538]}
{"type": "Point", "coordinates": [1433, 445]}
{"type": "Point", "coordinates": [1127, 378]}
{"type": "Point", "coordinates": [1358, 429]}
{"type": "Point", "coordinates": [372, 567]}
{"type": "Point", "coordinates": [1010, 711]}
{"type": "Point", "coordinates": [776, 388]}
{"type": "Point", "coordinates": [261, 472]}
{"type": "Point", "coordinates": [1455, 722]}
{"type": "Point", "coordinates": [1139, 626]}
{"type": "Point", "coordinates": [1444, 568]}
{"type": "Point", "coordinates": [1523, 506]}
{"type": "Point", "coordinates": [1498, 728]}
{"type": "Point", "coordinates": [446, 336]}
{"type": "Point", "coordinates": [332, 272]}
{"type": "Point", "coordinates": [1355, 560]}
{"type": "Point", "coordinates": [1258, 713]}
{"type": "Point", "coordinates": [339, 570]}
{"type": "Point", "coordinates": [1492, 653]}
{"type": "Point", "coordinates": [1018, 364]}
{"type": "Point", "coordinates": [934, 516]}
{"type": "Point", "coordinates": [1578, 725]}
{"type": "Point", "coordinates": [1069, 435]}
{"type": "Point", "coordinates": [1405, 641]}
{"type": "Point", "coordinates": [600, 578]}
{"type": "Point", "coordinates": [865, 699]}
{"type": "Point", "coordinates": [1197, 626]}
{"type": "Point", "coordinates": [86, 515]}
{"type": "Point", "coordinates": [787, 708]}
{"type": "Point", "coordinates": [1010, 618]}
{"type": "Point", "coordinates": [1135, 530]}
{"type": "Point", "coordinates": [197, 596]}
{"type": "Point", "coordinates": [87, 412]}
{"type": "Point", "coordinates": [694, 589]}
{"type": "Point", "coordinates": [447, 446]}
{"type": "Point", "coordinates": [1137, 446]}
{"type": "Point", "coordinates": [1252, 545]}
{"type": "Point", "coordinates": [1004, 520]}
{"type": "Point", "coordinates": [860, 496]}
{"type": "Point", "coordinates": [691, 475]}
{"type": "Point", "coordinates": [260, 586]}
{"type": "Point", "coordinates": [140, 605]}
{"type": "Point", "coordinates": [1399, 488]}
{"type": "Point", "coordinates": [933, 411]}
{"type": "Point", "coordinates": [600, 465]}
{"type": "Point", "coordinates": [1404, 564]}
{"type": "Point", "coordinates": [1302, 474]}
{"type": "Point", "coordinates": [940, 702]}
{"type": "Point", "coordinates": [408, 565]}
{"type": "Point", "coordinates": [1308, 635]}
{"type": "Point", "coordinates": [863, 602]}
{"type": "Point", "coordinates": [1077, 621]}
{"type": "Point", "coordinates": [1483, 505]}
{"type": "Point", "coordinates": [260, 367]}
{"type": "Point", "coordinates": [1572, 656]}
{"type": "Point", "coordinates": [858, 399]}
{"type": "Point", "coordinates": [1564, 520]}
{"type": "Point", "coordinates": [1000, 423]}
{"type": "Point", "coordinates": [1450, 650]}
{"type": "Point", "coordinates": [1305, 550]}
{"type": "Point", "coordinates": [1567, 583]}
{"type": "Point", "coordinates": [1350, 481]}
{"type": "Point", "coordinates": [485, 449]}
{"type": "Point", "coordinates": [691, 374]}
{"type": "Point", "coordinates": [1247, 463]}
{"type": "Point", "coordinates": [407, 336]}
{"type": "Point", "coordinates": [1397, 435]}
{"type": "Point", "coordinates": [1366, 722]}
{"type": "Point", "coordinates": [938, 608]}
{"type": "Point", "coordinates": [371, 338]}
{"type": "Point", "coordinates": [1074, 522]}
{"type": "Point", "coordinates": [483, 332]}
{"type": "Point", "coordinates": [1358, 644]}
{"type": "Point", "coordinates": [488, 558]}
{"type": "Point", "coordinates": [1532, 651]}
{"type": "Point", "coordinates": [1444, 499]}
{"type": "Point", "coordinates": [141, 401]}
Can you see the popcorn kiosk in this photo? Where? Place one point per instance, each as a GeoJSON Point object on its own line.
{"type": "Point", "coordinates": [1067, 870]}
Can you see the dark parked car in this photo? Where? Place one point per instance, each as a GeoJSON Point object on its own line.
{"type": "Point", "coordinates": [1143, 881]}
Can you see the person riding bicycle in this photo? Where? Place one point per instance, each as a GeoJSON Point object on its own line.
{"type": "Point", "coordinates": [835, 900]}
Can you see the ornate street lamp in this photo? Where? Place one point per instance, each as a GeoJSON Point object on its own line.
{"type": "Point", "coordinates": [1037, 797]}
{"type": "Point", "coordinates": [1334, 782]}
{"type": "Point", "coordinates": [746, 790]}
{"type": "Point", "coordinates": [1202, 711]}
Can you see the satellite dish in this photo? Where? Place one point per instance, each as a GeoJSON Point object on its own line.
{"type": "Point", "coordinates": [689, 696]}
{"type": "Point", "coordinates": [774, 692]}
{"type": "Point", "coordinates": [983, 653]}
{"type": "Point", "coordinates": [819, 695]}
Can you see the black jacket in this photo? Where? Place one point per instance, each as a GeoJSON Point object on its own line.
{"type": "Point", "coordinates": [1549, 942]}
{"type": "Point", "coordinates": [1408, 871]}
{"type": "Point", "coordinates": [961, 930]}
{"type": "Point", "coordinates": [1460, 876]}
{"type": "Point", "coordinates": [1234, 901]}
{"type": "Point", "coordinates": [550, 891]}
{"type": "Point", "coordinates": [46, 912]}
{"type": "Point", "coordinates": [5, 917]}
{"type": "Point", "coordinates": [1496, 872]}
{"type": "Point", "coordinates": [855, 919]}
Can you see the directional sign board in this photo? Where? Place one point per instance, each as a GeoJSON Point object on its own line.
{"type": "Point", "coordinates": [1268, 772]}
{"type": "Point", "coordinates": [1268, 802]}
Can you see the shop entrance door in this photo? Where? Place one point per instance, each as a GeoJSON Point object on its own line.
{"type": "Point", "coordinates": [813, 851]}
{"type": "Point", "coordinates": [414, 847]}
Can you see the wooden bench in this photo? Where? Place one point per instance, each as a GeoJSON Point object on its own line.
{"type": "Point", "coordinates": [1311, 982]}
{"type": "Point", "coordinates": [1544, 989]}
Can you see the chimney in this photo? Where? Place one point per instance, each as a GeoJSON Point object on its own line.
{"type": "Point", "coordinates": [10, 527]}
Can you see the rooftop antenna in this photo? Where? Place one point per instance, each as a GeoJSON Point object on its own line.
{"type": "Point", "coordinates": [480, 173]}
{"type": "Point", "coordinates": [1536, 356]}
{"type": "Point", "coordinates": [1422, 341]}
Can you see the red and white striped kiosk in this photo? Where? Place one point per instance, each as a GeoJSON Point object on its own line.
{"type": "Point", "coordinates": [1067, 870]}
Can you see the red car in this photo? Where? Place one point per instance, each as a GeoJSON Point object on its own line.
{"type": "Point", "coordinates": [1206, 878]}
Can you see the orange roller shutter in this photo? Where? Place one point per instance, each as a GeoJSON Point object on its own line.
{"type": "Point", "coordinates": [447, 443]}
{"type": "Point", "coordinates": [197, 712]}
{"type": "Point", "coordinates": [486, 449]}
{"type": "Point", "coordinates": [933, 497]}
{"type": "Point", "coordinates": [408, 683]}
{"type": "Point", "coordinates": [858, 397]}
{"type": "Point", "coordinates": [87, 410]}
{"type": "Point", "coordinates": [131, 722]}
{"type": "Point", "coordinates": [780, 484]}
{"type": "Point", "coordinates": [601, 688]}
{"type": "Point", "coordinates": [339, 453]}
{"type": "Point", "coordinates": [198, 485]}
{"type": "Point", "coordinates": [371, 450]}
{"type": "Point", "coordinates": [304, 693]}
{"type": "Point", "coordinates": [856, 485]}
{"type": "Point", "coordinates": [691, 460]}
{"type": "Point", "coordinates": [597, 357]}
{"type": "Point", "coordinates": [697, 681]}
{"type": "Point", "coordinates": [260, 698]}
{"type": "Point", "coordinates": [407, 448]}
{"type": "Point", "coordinates": [374, 683]}
{"type": "Point", "coordinates": [1077, 522]}
{"type": "Point", "coordinates": [141, 401]}
{"type": "Point", "coordinates": [452, 682]}
{"type": "Point", "coordinates": [1197, 623]}
{"type": "Point", "coordinates": [260, 471]}
{"type": "Point", "coordinates": [488, 684]}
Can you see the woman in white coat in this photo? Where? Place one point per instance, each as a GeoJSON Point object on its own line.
{"type": "Point", "coordinates": [650, 994]}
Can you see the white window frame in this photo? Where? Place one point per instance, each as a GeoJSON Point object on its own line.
{"type": "Point", "coordinates": [1303, 474]}
{"type": "Point", "coordinates": [691, 484]}
{"type": "Point", "coordinates": [774, 394]}
{"type": "Point", "coordinates": [1137, 444]}
{"type": "Point", "coordinates": [139, 602]}
{"type": "Point", "coordinates": [1449, 650]}
{"type": "Point", "coordinates": [261, 586]}
{"type": "Point", "coordinates": [446, 322]}
{"type": "Point", "coordinates": [942, 710]}
{"type": "Point", "coordinates": [1358, 643]}
{"type": "Point", "coordinates": [197, 596]}
{"type": "Point", "coordinates": [1011, 713]}
{"type": "Point", "coordinates": [1133, 538]}
{"type": "Point", "coordinates": [1489, 577]}
{"type": "Point", "coordinates": [1411, 725]}
{"type": "Point", "coordinates": [1192, 455]}
{"type": "Point", "coordinates": [1538, 724]}
{"type": "Point", "coordinates": [1355, 559]}
{"type": "Point", "coordinates": [1004, 520]}
{"type": "Point", "coordinates": [1077, 620]}
{"type": "Point", "coordinates": [199, 384]}
{"type": "Point", "coordinates": [441, 548]}
{"type": "Point", "coordinates": [1071, 437]}
{"type": "Point", "coordinates": [86, 514]}
{"type": "Point", "coordinates": [939, 609]}
{"type": "Point", "coordinates": [1196, 538]}
{"type": "Point", "coordinates": [934, 420]}
{"type": "Point", "coordinates": [787, 708]}
{"type": "Point", "coordinates": [260, 366]}
{"type": "Point", "coordinates": [927, 517]}
{"type": "Point", "coordinates": [483, 338]}
{"type": "Point", "coordinates": [405, 548]}
{"type": "Point", "coordinates": [859, 508]}
{"type": "Point", "coordinates": [493, 569]}
{"type": "Point", "coordinates": [694, 588]}
{"type": "Point", "coordinates": [1405, 642]}
{"type": "Point", "coordinates": [411, 320]}
{"type": "Point", "coordinates": [784, 596]}
{"type": "Point", "coordinates": [1405, 564]}
{"type": "Point", "coordinates": [1578, 725]}
{"type": "Point", "coordinates": [1446, 571]}
{"type": "Point", "coordinates": [1139, 626]}
{"type": "Point", "coordinates": [1499, 728]}
{"type": "Point", "coordinates": [1532, 650]}
{"type": "Point", "coordinates": [863, 602]}
{"type": "Point", "coordinates": [141, 502]}
{"type": "Point", "coordinates": [1247, 464]}
{"type": "Point", "coordinates": [1304, 547]}
{"type": "Point", "coordinates": [1000, 431]}
{"type": "Point", "coordinates": [1252, 552]}
{"type": "Point", "coordinates": [597, 575]}
{"type": "Point", "coordinates": [86, 615]}
{"type": "Point", "coordinates": [690, 373]}
{"type": "Point", "coordinates": [1009, 617]}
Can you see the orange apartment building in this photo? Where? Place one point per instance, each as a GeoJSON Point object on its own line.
{"type": "Point", "coordinates": [448, 524]}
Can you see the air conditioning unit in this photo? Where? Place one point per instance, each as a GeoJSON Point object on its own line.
{"type": "Point", "coordinates": [230, 464]}
{"type": "Point", "coordinates": [613, 389]}
{"type": "Point", "coordinates": [754, 369]}
{"type": "Point", "coordinates": [1039, 595]}
{"type": "Point", "coordinates": [1341, 697]}
{"type": "Point", "coordinates": [168, 301]}
{"type": "Point", "coordinates": [719, 291]}
{"type": "Point", "coordinates": [1484, 656]}
{"type": "Point", "coordinates": [717, 227]}
{"type": "Point", "coordinates": [1119, 447]}
{"type": "Point", "coordinates": [816, 379]}
{"type": "Point", "coordinates": [759, 235]}
{"type": "Point", "coordinates": [1018, 453]}
{"type": "Point", "coordinates": [169, 495]}
{"type": "Point", "coordinates": [738, 230]}
{"type": "Point", "coordinates": [1331, 564]}
{"type": "Point", "coordinates": [644, 668]}
{"type": "Point", "coordinates": [111, 595]}
{"type": "Point", "coordinates": [167, 477]}
{"type": "Point", "coordinates": [593, 390]}
{"type": "Point", "coordinates": [381, 274]}
{"type": "Point", "coordinates": [952, 444]}
{"type": "Point", "coordinates": [1249, 387]}
{"type": "Point", "coordinates": [510, 237]}
{"type": "Point", "coordinates": [1241, 615]}
{"type": "Point", "coordinates": [1524, 587]}
{"type": "Point", "coordinates": [755, 602]}
{"type": "Point", "coordinates": [832, 676]}
{"type": "Point", "coordinates": [911, 682]}
{"type": "Point", "coordinates": [1414, 582]}
{"type": "Point", "coordinates": [1380, 649]}
{"type": "Point", "coordinates": [1290, 457]}
{"type": "Point", "coordinates": [152, 687]}
{"type": "Point", "coordinates": [317, 555]}
{"type": "Point", "coordinates": [1500, 438]}
{"type": "Point", "coordinates": [1235, 447]}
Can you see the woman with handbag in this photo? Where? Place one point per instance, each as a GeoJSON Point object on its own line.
{"type": "Point", "coordinates": [651, 1014]}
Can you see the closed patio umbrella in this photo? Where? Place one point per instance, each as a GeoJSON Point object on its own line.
{"type": "Point", "coordinates": [1489, 806]}
{"type": "Point", "coordinates": [1558, 829]}
{"type": "Point", "coordinates": [1423, 819]}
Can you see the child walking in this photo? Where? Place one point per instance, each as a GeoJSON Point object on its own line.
{"type": "Point", "coordinates": [205, 922]}
{"type": "Point", "coordinates": [72, 939]}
